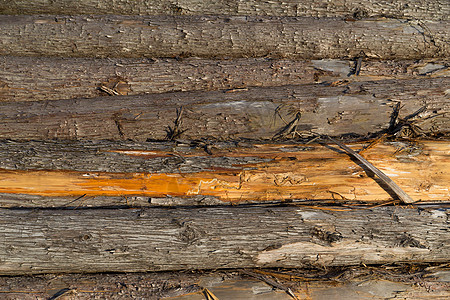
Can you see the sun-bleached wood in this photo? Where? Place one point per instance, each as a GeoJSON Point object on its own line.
{"type": "Point", "coordinates": [156, 239]}
{"type": "Point", "coordinates": [221, 37]}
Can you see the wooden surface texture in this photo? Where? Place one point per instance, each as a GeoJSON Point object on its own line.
{"type": "Point", "coordinates": [221, 37]}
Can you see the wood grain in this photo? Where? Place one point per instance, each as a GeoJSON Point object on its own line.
{"type": "Point", "coordinates": [350, 283]}
{"type": "Point", "coordinates": [52, 78]}
{"type": "Point", "coordinates": [86, 174]}
{"type": "Point", "coordinates": [356, 108]}
{"type": "Point", "coordinates": [156, 239]}
{"type": "Point", "coordinates": [221, 37]}
{"type": "Point", "coordinates": [415, 9]}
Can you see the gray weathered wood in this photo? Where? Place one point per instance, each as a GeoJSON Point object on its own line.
{"type": "Point", "coordinates": [220, 36]}
{"type": "Point", "coordinates": [132, 240]}
{"type": "Point", "coordinates": [110, 156]}
{"type": "Point", "coordinates": [357, 108]}
{"type": "Point", "coordinates": [415, 9]}
{"type": "Point", "coordinates": [44, 78]}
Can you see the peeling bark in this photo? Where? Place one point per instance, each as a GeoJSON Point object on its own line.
{"type": "Point", "coordinates": [356, 108]}
{"type": "Point", "coordinates": [86, 174]}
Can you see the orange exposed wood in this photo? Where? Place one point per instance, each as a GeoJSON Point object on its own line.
{"type": "Point", "coordinates": [317, 173]}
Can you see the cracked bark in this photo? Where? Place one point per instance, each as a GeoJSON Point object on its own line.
{"type": "Point", "coordinates": [62, 78]}
{"type": "Point", "coordinates": [351, 9]}
{"type": "Point", "coordinates": [213, 37]}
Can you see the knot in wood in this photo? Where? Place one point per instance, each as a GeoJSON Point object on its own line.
{"type": "Point", "coordinates": [189, 233]}
{"type": "Point", "coordinates": [326, 236]}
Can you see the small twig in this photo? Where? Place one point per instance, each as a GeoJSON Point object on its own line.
{"type": "Point", "coordinates": [270, 282]}
{"type": "Point", "coordinates": [394, 117]}
{"type": "Point", "coordinates": [209, 295]}
{"type": "Point", "coordinates": [358, 66]}
{"type": "Point", "coordinates": [312, 140]}
{"type": "Point", "coordinates": [70, 202]}
{"type": "Point", "coordinates": [173, 133]}
{"type": "Point", "coordinates": [288, 129]}
{"type": "Point", "coordinates": [404, 197]}
{"type": "Point", "coordinates": [373, 143]}
{"type": "Point", "coordinates": [399, 125]}
{"type": "Point", "coordinates": [416, 113]}
{"type": "Point", "coordinates": [119, 128]}
{"type": "Point", "coordinates": [61, 293]}
{"type": "Point", "coordinates": [109, 91]}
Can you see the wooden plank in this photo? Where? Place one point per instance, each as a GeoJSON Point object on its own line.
{"type": "Point", "coordinates": [338, 283]}
{"type": "Point", "coordinates": [221, 37]}
{"type": "Point", "coordinates": [133, 240]}
{"type": "Point", "coordinates": [415, 9]}
{"type": "Point", "coordinates": [51, 78]}
{"type": "Point", "coordinates": [356, 108]}
{"type": "Point", "coordinates": [87, 174]}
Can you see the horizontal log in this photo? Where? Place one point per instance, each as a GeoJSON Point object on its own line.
{"type": "Point", "coordinates": [353, 108]}
{"type": "Point", "coordinates": [86, 174]}
{"type": "Point", "coordinates": [379, 282]}
{"type": "Point", "coordinates": [220, 36]}
{"type": "Point", "coordinates": [44, 78]}
{"type": "Point", "coordinates": [416, 9]}
{"type": "Point", "coordinates": [133, 240]}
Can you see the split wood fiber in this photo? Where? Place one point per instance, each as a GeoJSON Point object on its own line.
{"type": "Point", "coordinates": [156, 239]}
{"type": "Point", "coordinates": [87, 174]}
{"type": "Point", "coordinates": [378, 282]}
{"type": "Point", "coordinates": [221, 37]}
{"type": "Point", "coordinates": [52, 78]}
{"type": "Point", "coordinates": [351, 9]}
{"type": "Point", "coordinates": [355, 108]}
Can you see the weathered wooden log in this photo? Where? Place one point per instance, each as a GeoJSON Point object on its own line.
{"type": "Point", "coordinates": [353, 108]}
{"type": "Point", "coordinates": [86, 174]}
{"type": "Point", "coordinates": [221, 36]}
{"type": "Point", "coordinates": [349, 283]}
{"type": "Point", "coordinates": [416, 9]}
{"type": "Point", "coordinates": [43, 78]}
{"type": "Point", "coordinates": [132, 240]}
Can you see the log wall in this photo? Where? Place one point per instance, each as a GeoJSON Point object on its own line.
{"type": "Point", "coordinates": [144, 136]}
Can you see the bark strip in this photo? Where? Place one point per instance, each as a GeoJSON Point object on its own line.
{"type": "Point", "coordinates": [221, 37]}
{"type": "Point", "coordinates": [86, 174]}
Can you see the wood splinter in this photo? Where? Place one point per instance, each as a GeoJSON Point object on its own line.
{"type": "Point", "coordinates": [270, 282]}
{"type": "Point", "coordinates": [402, 196]}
